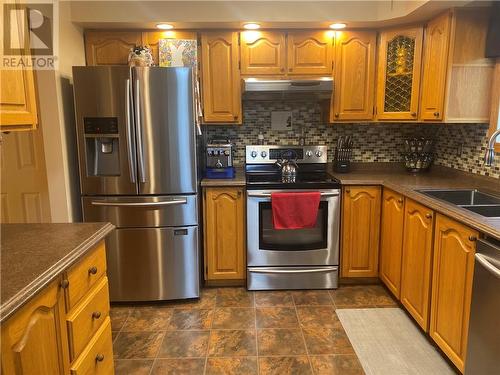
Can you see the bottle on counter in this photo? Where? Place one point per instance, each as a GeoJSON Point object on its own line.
{"type": "Point", "coordinates": [260, 138]}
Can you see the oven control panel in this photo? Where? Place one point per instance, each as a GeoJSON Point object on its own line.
{"type": "Point", "coordinates": [257, 154]}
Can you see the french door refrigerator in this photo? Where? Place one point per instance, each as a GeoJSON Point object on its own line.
{"type": "Point", "coordinates": [137, 155]}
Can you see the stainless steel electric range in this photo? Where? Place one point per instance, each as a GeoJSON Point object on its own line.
{"type": "Point", "coordinates": [294, 258]}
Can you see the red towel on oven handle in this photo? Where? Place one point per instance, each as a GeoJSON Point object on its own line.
{"type": "Point", "coordinates": [295, 210]}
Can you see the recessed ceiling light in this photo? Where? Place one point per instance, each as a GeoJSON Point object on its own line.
{"type": "Point", "coordinates": [164, 26]}
{"type": "Point", "coordinates": [337, 26]}
{"type": "Point", "coordinates": [251, 26]}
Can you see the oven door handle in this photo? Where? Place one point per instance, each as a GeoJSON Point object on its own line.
{"type": "Point", "coordinates": [310, 270]}
{"type": "Point", "coordinates": [268, 195]}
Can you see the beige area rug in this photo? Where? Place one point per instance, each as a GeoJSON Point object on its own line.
{"type": "Point", "coordinates": [387, 342]}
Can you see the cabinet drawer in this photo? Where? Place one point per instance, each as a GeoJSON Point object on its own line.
{"type": "Point", "coordinates": [97, 358]}
{"type": "Point", "coordinates": [87, 317]}
{"type": "Point", "coordinates": [85, 274]}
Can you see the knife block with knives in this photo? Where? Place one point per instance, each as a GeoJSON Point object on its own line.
{"type": "Point", "coordinates": [343, 154]}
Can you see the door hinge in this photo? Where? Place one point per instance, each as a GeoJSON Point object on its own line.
{"type": "Point", "coordinates": [333, 64]}
{"type": "Point", "coordinates": [206, 270]}
{"type": "Point", "coordinates": [374, 110]}
{"type": "Point", "coordinates": [239, 65]}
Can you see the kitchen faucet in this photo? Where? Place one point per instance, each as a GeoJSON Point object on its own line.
{"type": "Point", "coordinates": [489, 156]}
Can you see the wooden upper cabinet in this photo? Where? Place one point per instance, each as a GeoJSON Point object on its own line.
{"type": "Point", "coordinates": [110, 47]}
{"type": "Point", "coordinates": [263, 52]}
{"type": "Point", "coordinates": [417, 262]}
{"type": "Point", "coordinates": [435, 68]}
{"type": "Point", "coordinates": [310, 53]}
{"type": "Point", "coordinates": [361, 231]}
{"type": "Point", "coordinates": [34, 340]}
{"type": "Point", "coordinates": [18, 105]}
{"type": "Point", "coordinates": [453, 268]}
{"type": "Point", "coordinates": [398, 82]}
{"type": "Point", "coordinates": [221, 87]}
{"type": "Point", "coordinates": [224, 219]}
{"type": "Point", "coordinates": [354, 76]}
{"type": "Point", "coordinates": [391, 240]}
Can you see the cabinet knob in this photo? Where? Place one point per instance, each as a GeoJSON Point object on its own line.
{"type": "Point", "coordinates": [400, 200]}
{"type": "Point", "coordinates": [99, 357]}
{"type": "Point", "coordinates": [428, 216]}
{"type": "Point", "coordinates": [282, 70]}
{"type": "Point", "coordinates": [290, 69]}
{"type": "Point", "coordinates": [414, 114]}
{"type": "Point", "coordinates": [239, 193]}
{"type": "Point", "coordinates": [235, 117]}
{"type": "Point", "coordinates": [347, 190]}
{"type": "Point", "coordinates": [436, 114]}
{"type": "Point", "coordinates": [96, 315]}
{"type": "Point", "coordinates": [64, 284]}
{"type": "Point", "coordinates": [472, 238]}
{"type": "Point", "coordinates": [336, 115]}
{"type": "Point", "coordinates": [92, 270]}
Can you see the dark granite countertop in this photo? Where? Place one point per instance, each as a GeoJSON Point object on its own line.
{"type": "Point", "coordinates": [33, 255]}
{"type": "Point", "coordinates": [395, 177]}
{"type": "Point", "coordinates": [238, 180]}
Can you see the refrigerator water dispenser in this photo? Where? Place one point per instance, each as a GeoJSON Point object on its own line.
{"type": "Point", "coordinates": [102, 146]}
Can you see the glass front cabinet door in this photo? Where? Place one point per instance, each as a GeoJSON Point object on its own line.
{"type": "Point", "coordinates": [398, 74]}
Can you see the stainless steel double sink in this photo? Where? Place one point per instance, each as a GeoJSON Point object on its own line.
{"type": "Point", "coordinates": [471, 199]}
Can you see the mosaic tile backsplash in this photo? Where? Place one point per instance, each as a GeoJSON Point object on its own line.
{"type": "Point", "coordinates": [459, 146]}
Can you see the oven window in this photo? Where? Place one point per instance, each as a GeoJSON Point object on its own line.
{"type": "Point", "coordinates": [292, 239]}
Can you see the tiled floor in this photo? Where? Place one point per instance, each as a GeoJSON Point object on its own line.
{"type": "Point", "coordinates": [233, 331]}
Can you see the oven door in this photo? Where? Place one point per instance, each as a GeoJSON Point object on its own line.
{"type": "Point", "coordinates": [267, 246]}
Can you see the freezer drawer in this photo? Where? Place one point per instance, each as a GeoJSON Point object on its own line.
{"type": "Point", "coordinates": [142, 211]}
{"type": "Point", "coordinates": [148, 264]}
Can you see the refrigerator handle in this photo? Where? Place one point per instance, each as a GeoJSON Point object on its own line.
{"type": "Point", "coordinates": [140, 148]}
{"type": "Point", "coordinates": [130, 151]}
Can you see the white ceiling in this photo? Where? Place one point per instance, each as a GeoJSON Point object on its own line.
{"type": "Point", "coordinates": [269, 13]}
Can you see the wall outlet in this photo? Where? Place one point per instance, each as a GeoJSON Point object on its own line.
{"type": "Point", "coordinates": [281, 120]}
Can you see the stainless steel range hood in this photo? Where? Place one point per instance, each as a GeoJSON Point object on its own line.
{"type": "Point", "coordinates": [271, 89]}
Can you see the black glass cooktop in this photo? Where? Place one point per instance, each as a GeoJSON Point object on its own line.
{"type": "Point", "coordinates": [301, 181]}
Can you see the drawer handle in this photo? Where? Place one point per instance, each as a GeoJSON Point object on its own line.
{"type": "Point", "coordinates": [96, 315]}
{"type": "Point", "coordinates": [99, 357]}
{"type": "Point", "coordinates": [93, 270]}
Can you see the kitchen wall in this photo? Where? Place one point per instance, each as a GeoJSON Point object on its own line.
{"type": "Point", "coordinates": [380, 142]}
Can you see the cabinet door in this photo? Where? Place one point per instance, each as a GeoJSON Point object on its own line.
{"type": "Point", "coordinates": [110, 47]}
{"type": "Point", "coordinates": [152, 39]}
{"type": "Point", "coordinates": [221, 87]}
{"type": "Point", "coordinates": [354, 75]}
{"type": "Point", "coordinates": [391, 240]}
{"type": "Point", "coordinates": [453, 267]}
{"type": "Point", "coordinates": [262, 53]}
{"type": "Point", "coordinates": [18, 107]}
{"type": "Point", "coordinates": [224, 216]}
{"type": "Point", "coordinates": [435, 65]}
{"type": "Point", "coordinates": [361, 231]}
{"type": "Point", "coordinates": [417, 261]}
{"type": "Point", "coordinates": [34, 340]}
{"type": "Point", "coordinates": [310, 53]}
{"type": "Point", "coordinates": [398, 73]}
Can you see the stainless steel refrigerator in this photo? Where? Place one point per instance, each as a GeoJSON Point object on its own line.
{"type": "Point", "coordinates": [137, 156]}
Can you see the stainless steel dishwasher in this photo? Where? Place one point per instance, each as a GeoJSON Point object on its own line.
{"type": "Point", "coordinates": [483, 354]}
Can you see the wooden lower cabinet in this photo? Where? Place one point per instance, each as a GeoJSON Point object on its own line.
{"type": "Point", "coordinates": [34, 340]}
{"type": "Point", "coordinates": [224, 232]}
{"type": "Point", "coordinates": [360, 231]}
{"type": "Point", "coordinates": [453, 267]}
{"type": "Point", "coordinates": [391, 240]}
{"type": "Point", "coordinates": [417, 262]}
{"type": "Point", "coordinates": [47, 336]}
